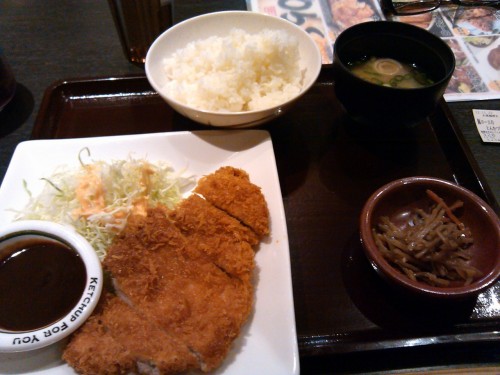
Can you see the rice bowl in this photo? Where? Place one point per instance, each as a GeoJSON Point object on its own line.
{"type": "Point", "coordinates": [238, 72]}
{"type": "Point", "coordinates": [270, 63]}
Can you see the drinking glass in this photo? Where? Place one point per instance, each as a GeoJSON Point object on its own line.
{"type": "Point", "coordinates": [7, 82]}
{"type": "Point", "coordinates": [138, 23]}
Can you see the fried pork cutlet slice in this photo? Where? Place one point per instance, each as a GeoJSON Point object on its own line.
{"type": "Point", "coordinates": [216, 236]}
{"type": "Point", "coordinates": [92, 350]}
{"type": "Point", "coordinates": [190, 298]}
{"type": "Point", "coordinates": [118, 341]}
{"type": "Point", "coordinates": [230, 189]}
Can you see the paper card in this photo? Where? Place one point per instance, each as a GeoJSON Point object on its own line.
{"type": "Point", "coordinates": [488, 124]}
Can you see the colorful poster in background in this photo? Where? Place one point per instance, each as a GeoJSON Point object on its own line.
{"type": "Point", "coordinates": [311, 16]}
{"type": "Point", "coordinates": [474, 36]}
{"type": "Point", "coordinates": [315, 17]}
{"type": "Point", "coordinates": [472, 33]}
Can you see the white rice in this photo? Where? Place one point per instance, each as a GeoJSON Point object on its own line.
{"type": "Point", "coordinates": [239, 72]}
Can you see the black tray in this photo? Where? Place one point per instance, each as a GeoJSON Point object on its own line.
{"type": "Point", "coordinates": [328, 166]}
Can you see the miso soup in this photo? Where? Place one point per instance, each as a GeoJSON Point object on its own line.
{"type": "Point", "coordinates": [389, 72]}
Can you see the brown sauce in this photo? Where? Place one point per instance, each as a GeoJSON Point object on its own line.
{"type": "Point", "coordinates": [40, 281]}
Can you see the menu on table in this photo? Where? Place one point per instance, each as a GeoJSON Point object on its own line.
{"type": "Point", "coordinates": [473, 33]}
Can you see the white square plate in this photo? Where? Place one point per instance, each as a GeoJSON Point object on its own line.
{"type": "Point", "coordinates": [268, 342]}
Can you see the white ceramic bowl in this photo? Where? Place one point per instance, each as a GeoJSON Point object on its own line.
{"type": "Point", "coordinates": [87, 296]}
{"type": "Point", "coordinates": [219, 24]}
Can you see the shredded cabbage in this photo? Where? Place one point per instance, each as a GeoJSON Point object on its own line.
{"type": "Point", "coordinates": [97, 198]}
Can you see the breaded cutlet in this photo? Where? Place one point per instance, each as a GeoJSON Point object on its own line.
{"type": "Point", "coordinates": [216, 236]}
{"type": "Point", "coordinates": [92, 350]}
{"type": "Point", "coordinates": [120, 341]}
{"type": "Point", "coordinates": [191, 299]}
{"type": "Point", "coordinates": [183, 283]}
{"type": "Point", "coordinates": [231, 190]}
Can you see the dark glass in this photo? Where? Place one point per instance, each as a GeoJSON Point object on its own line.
{"type": "Point", "coordinates": [412, 7]}
{"type": "Point", "coordinates": [7, 82]}
{"type": "Point", "coordinates": [138, 23]}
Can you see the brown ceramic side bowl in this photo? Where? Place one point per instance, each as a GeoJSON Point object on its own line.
{"type": "Point", "coordinates": [398, 198]}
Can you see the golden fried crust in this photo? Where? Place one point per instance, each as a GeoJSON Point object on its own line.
{"type": "Point", "coordinates": [140, 258]}
{"type": "Point", "coordinates": [216, 236]}
{"type": "Point", "coordinates": [119, 341]}
{"type": "Point", "coordinates": [184, 284]}
{"type": "Point", "coordinates": [192, 300]}
{"type": "Point", "coordinates": [146, 342]}
{"type": "Point", "coordinates": [93, 351]}
{"type": "Point", "coordinates": [205, 309]}
{"type": "Point", "coordinates": [230, 189]}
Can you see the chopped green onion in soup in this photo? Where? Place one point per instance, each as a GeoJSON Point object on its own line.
{"type": "Point", "coordinates": [389, 72]}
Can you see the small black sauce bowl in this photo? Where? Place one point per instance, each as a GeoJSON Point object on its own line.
{"type": "Point", "coordinates": [385, 106]}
